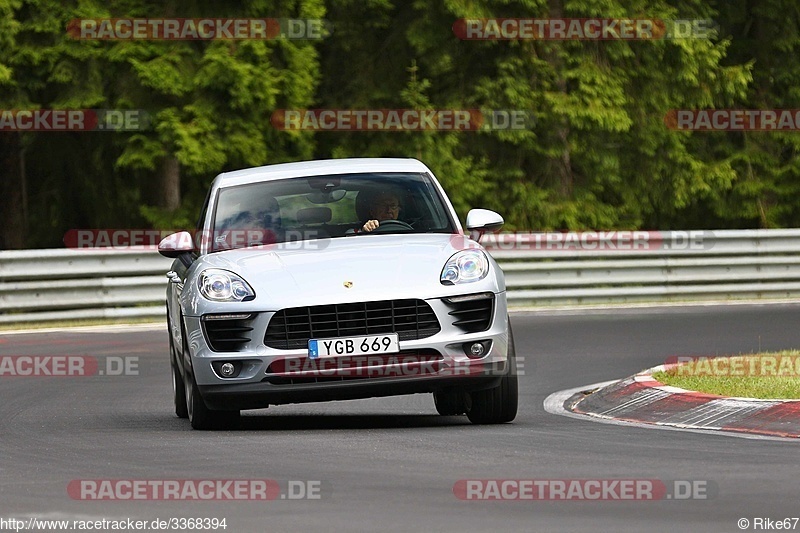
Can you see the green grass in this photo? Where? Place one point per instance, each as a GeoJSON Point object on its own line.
{"type": "Point", "coordinates": [773, 375]}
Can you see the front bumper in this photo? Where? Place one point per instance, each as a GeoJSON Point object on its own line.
{"type": "Point", "coordinates": [257, 386]}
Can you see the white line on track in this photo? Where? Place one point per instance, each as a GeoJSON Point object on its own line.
{"type": "Point", "coordinates": [100, 328]}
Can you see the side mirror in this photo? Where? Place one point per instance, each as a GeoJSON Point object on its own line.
{"type": "Point", "coordinates": [484, 220]}
{"type": "Point", "coordinates": [178, 245]}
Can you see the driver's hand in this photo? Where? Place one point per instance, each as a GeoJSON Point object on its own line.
{"type": "Point", "coordinates": [370, 225]}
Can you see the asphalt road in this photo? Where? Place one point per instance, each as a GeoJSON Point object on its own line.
{"type": "Point", "coordinates": [390, 464]}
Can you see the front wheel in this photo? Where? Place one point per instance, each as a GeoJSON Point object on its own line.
{"type": "Point", "coordinates": [178, 387]}
{"type": "Point", "coordinates": [179, 393]}
{"type": "Point", "coordinates": [499, 404]}
{"type": "Point", "coordinates": [200, 416]}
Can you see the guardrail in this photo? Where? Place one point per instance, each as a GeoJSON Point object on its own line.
{"type": "Point", "coordinates": [541, 270]}
{"type": "Point", "coordinates": [55, 285]}
{"type": "Point", "coordinates": [661, 267]}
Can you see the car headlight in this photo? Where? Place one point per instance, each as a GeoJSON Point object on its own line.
{"type": "Point", "coordinates": [223, 286]}
{"type": "Point", "coordinates": [464, 267]}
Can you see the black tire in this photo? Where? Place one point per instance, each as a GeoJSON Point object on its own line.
{"type": "Point", "coordinates": [450, 402]}
{"type": "Point", "coordinates": [179, 393]}
{"type": "Point", "coordinates": [178, 387]}
{"type": "Point", "coordinates": [499, 404]}
{"type": "Point", "coordinates": [200, 416]}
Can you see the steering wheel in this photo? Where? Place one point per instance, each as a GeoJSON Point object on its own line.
{"type": "Point", "coordinates": [387, 226]}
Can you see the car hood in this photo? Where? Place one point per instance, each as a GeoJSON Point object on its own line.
{"type": "Point", "coordinates": [349, 269]}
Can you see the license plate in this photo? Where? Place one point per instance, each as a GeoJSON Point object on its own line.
{"type": "Point", "coordinates": [344, 346]}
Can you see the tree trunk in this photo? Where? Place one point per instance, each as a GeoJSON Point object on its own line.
{"type": "Point", "coordinates": [168, 188]}
{"type": "Point", "coordinates": [13, 232]}
{"type": "Point", "coordinates": [563, 164]}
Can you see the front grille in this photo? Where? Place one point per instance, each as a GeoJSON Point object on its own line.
{"type": "Point", "coordinates": [423, 362]}
{"type": "Point", "coordinates": [292, 328]}
{"type": "Point", "coordinates": [471, 313]}
{"type": "Point", "coordinates": [227, 335]}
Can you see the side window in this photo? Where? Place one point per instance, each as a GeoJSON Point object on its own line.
{"type": "Point", "coordinates": [203, 212]}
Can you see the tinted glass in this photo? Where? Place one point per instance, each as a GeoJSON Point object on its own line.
{"type": "Point", "coordinates": [326, 207]}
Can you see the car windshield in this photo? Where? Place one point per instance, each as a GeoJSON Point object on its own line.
{"type": "Point", "coordinates": [320, 207]}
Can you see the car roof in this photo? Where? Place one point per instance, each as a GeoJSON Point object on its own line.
{"type": "Point", "coordinates": [322, 167]}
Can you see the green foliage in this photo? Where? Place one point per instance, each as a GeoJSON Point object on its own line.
{"type": "Point", "coordinates": [597, 153]}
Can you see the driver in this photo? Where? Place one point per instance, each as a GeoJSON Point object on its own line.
{"type": "Point", "coordinates": [385, 206]}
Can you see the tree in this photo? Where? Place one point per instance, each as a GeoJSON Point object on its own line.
{"type": "Point", "coordinates": [766, 187]}
{"type": "Point", "coordinates": [209, 101]}
{"type": "Point", "coordinates": [599, 154]}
